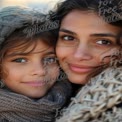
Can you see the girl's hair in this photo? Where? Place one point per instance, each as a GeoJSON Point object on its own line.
{"type": "Point", "coordinates": [21, 28]}
{"type": "Point", "coordinates": [109, 10]}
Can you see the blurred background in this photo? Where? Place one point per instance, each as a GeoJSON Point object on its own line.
{"type": "Point", "coordinates": [44, 5]}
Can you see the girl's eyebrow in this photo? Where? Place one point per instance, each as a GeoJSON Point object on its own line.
{"type": "Point", "coordinates": [67, 31]}
{"type": "Point", "coordinates": [49, 53]}
{"type": "Point", "coordinates": [25, 54]}
{"type": "Point", "coordinates": [15, 54]}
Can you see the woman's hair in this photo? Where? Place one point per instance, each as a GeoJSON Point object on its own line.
{"type": "Point", "coordinates": [109, 10]}
{"type": "Point", "coordinates": [20, 28]}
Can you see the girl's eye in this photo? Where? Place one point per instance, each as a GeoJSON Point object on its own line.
{"type": "Point", "coordinates": [104, 42]}
{"type": "Point", "coordinates": [20, 60]}
{"type": "Point", "coordinates": [67, 38]}
{"type": "Point", "coordinates": [49, 60]}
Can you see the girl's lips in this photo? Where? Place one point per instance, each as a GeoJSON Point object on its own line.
{"type": "Point", "coordinates": [35, 83]}
{"type": "Point", "coordinates": [80, 69]}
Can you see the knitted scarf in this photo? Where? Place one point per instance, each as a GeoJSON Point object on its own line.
{"type": "Point", "coordinates": [100, 100]}
{"type": "Point", "coordinates": [19, 108]}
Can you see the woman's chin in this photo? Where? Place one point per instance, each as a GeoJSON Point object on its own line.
{"type": "Point", "coordinates": [78, 79]}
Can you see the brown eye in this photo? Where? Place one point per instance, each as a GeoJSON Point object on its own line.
{"type": "Point", "coordinates": [104, 42]}
{"type": "Point", "coordinates": [67, 38]}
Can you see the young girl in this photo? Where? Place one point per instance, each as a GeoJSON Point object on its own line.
{"type": "Point", "coordinates": [29, 70]}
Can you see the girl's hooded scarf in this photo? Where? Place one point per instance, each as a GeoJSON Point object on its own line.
{"type": "Point", "coordinates": [19, 108]}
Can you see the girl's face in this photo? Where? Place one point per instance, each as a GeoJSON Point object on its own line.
{"type": "Point", "coordinates": [84, 38]}
{"type": "Point", "coordinates": [32, 74]}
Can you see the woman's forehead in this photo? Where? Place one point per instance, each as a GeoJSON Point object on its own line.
{"type": "Point", "coordinates": [81, 21]}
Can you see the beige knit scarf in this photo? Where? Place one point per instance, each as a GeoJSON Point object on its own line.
{"type": "Point", "coordinates": [18, 108]}
{"type": "Point", "coordinates": [98, 101]}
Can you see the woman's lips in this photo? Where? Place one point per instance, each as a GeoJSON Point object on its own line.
{"type": "Point", "coordinates": [35, 83]}
{"type": "Point", "coordinates": [80, 69]}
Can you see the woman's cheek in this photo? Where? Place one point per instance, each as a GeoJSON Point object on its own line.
{"type": "Point", "coordinates": [109, 55]}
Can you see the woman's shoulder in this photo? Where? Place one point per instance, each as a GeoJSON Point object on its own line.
{"type": "Point", "coordinates": [99, 99]}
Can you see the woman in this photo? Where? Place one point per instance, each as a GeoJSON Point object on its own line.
{"type": "Point", "coordinates": [85, 36]}
{"type": "Point", "coordinates": [89, 35]}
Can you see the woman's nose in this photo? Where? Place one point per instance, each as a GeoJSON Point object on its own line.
{"type": "Point", "coordinates": [82, 52]}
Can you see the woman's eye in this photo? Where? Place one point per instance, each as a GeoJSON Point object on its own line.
{"type": "Point", "coordinates": [104, 42]}
{"type": "Point", "coordinates": [50, 60]}
{"type": "Point", "coordinates": [20, 60]}
{"type": "Point", "coordinates": [67, 38]}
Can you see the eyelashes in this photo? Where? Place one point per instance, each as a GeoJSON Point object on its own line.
{"type": "Point", "coordinates": [104, 42]}
{"type": "Point", "coordinates": [20, 60]}
{"type": "Point", "coordinates": [100, 41]}
{"type": "Point", "coordinates": [66, 37]}
{"type": "Point", "coordinates": [50, 60]}
{"type": "Point", "coordinates": [45, 61]}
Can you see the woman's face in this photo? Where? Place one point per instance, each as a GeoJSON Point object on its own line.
{"type": "Point", "coordinates": [84, 39]}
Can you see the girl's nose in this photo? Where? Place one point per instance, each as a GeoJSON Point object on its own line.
{"type": "Point", "coordinates": [38, 69]}
{"type": "Point", "coordinates": [82, 52]}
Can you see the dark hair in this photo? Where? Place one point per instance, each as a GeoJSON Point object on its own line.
{"type": "Point", "coordinates": [109, 10]}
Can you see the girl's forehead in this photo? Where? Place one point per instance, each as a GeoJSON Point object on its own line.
{"type": "Point", "coordinates": [39, 47]}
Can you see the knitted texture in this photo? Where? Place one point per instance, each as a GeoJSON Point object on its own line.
{"type": "Point", "coordinates": [15, 17]}
{"type": "Point", "coordinates": [98, 101]}
{"type": "Point", "coordinates": [18, 108]}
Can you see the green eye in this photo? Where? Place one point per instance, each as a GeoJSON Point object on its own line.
{"type": "Point", "coordinates": [50, 60]}
{"type": "Point", "coordinates": [20, 60]}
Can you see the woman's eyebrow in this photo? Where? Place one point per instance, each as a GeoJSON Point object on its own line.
{"type": "Point", "coordinates": [104, 35]}
{"type": "Point", "coordinates": [67, 31]}
{"type": "Point", "coordinates": [96, 34]}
